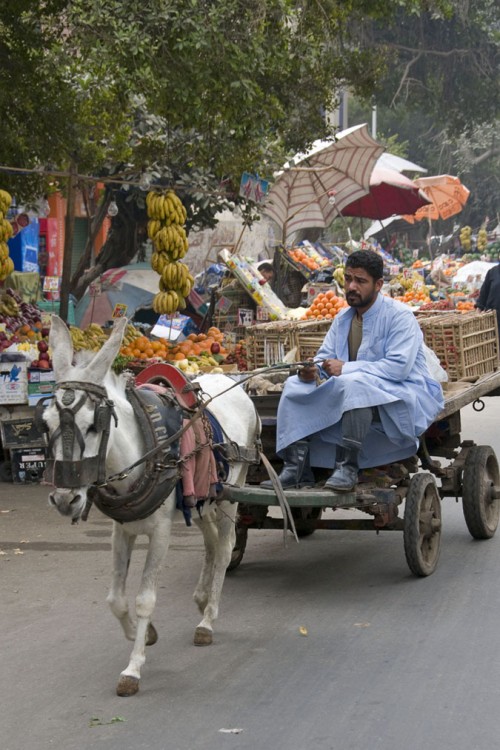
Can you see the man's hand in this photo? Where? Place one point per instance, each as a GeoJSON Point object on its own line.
{"type": "Point", "coordinates": [332, 366]}
{"type": "Point", "coordinates": [308, 372]}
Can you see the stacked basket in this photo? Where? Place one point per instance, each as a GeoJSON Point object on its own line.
{"type": "Point", "coordinates": [268, 343]}
{"type": "Point", "coordinates": [466, 344]}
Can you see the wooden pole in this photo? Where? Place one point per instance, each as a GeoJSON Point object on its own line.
{"type": "Point", "coordinates": [68, 242]}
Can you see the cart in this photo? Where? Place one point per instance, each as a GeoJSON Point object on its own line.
{"type": "Point", "coordinates": [470, 471]}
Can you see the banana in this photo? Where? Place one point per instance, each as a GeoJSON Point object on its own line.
{"type": "Point", "coordinates": [166, 276]}
{"type": "Point", "coordinates": [5, 201]}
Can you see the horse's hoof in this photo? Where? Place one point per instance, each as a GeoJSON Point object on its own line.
{"type": "Point", "coordinates": [202, 637]}
{"type": "Point", "coordinates": [152, 635]}
{"type": "Point", "coordinates": [127, 686]}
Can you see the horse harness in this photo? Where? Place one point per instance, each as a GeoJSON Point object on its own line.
{"type": "Point", "coordinates": [160, 418]}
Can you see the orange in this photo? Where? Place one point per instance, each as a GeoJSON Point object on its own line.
{"type": "Point", "coordinates": [136, 353]}
{"type": "Point", "coordinates": [179, 356]}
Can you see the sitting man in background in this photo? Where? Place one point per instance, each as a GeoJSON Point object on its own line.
{"type": "Point", "coordinates": [366, 397]}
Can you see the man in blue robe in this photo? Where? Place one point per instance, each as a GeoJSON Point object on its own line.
{"type": "Point", "coordinates": [366, 397]}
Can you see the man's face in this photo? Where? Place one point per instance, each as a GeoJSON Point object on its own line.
{"type": "Point", "coordinates": [361, 289]}
{"type": "Point", "coordinates": [267, 274]}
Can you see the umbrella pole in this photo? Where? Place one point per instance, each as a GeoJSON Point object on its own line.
{"type": "Point", "coordinates": [238, 241]}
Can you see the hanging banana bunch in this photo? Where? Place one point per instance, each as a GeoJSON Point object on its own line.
{"type": "Point", "coordinates": [6, 232]}
{"type": "Point", "coordinates": [167, 216]}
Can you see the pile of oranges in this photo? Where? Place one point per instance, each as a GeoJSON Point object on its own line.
{"type": "Point", "coordinates": [414, 297]}
{"type": "Point", "coordinates": [195, 344]}
{"type": "Point", "coordinates": [299, 256]}
{"type": "Point", "coordinates": [465, 305]}
{"type": "Point", "coordinates": [325, 306]}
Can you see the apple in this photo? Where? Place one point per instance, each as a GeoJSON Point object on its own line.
{"type": "Point", "coordinates": [43, 364]}
{"type": "Point", "coordinates": [43, 347]}
{"type": "Point", "coordinates": [215, 348]}
{"type": "Point", "coordinates": [35, 363]}
{"type": "Point", "coordinates": [43, 356]}
{"type": "Point", "coordinates": [45, 331]}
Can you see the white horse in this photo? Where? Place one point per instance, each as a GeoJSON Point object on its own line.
{"type": "Point", "coordinates": [236, 414]}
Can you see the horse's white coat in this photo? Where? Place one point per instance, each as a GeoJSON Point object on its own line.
{"type": "Point", "coordinates": [238, 418]}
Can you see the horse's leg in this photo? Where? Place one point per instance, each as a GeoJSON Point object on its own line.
{"type": "Point", "coordinates": [145, 602]}
{"type": "Point", "coordinates": [122, 545]}
{"type": "Point", "coordinates": [219, 540]}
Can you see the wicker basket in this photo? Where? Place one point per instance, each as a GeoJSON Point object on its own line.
{"type": "Point", "coordinates": [268, 343]}
{"type": "Point", "coordinates": [466, 344]}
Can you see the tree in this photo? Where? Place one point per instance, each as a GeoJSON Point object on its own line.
{"type": "Point", "coordinates": [194, 92]}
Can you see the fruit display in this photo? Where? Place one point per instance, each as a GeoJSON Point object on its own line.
{"type": "Point", "coordinates": [415, 296]}
{"type": "Point", "coordinates": [482, 240]}
{"type": "Point", "coordinates": [167, 217]}
{"type": "Point", "coordinates": [43, 360]}
{"type": "Point", "coordinates": [308, 257]}
{"type": "Point", "coordinates": [442, 305]}
{"type": "Point", "coordinates": [493, 250]}
{"type": "Point", "coordinates": [15, 313]}
{"type": "Point", "coordinates": [6, 232]}
{"type": "Point", "coordinates": [465, 305]}
{"type": "Point", "coordinates": [238, 356]}
{"type": "Point", "coordinates": [338, 276]}
{"type": "Point", "coordinates": [325, 306]}
{"type": "Point", "coordinates": [466, 238]}
{"type": "Point", "coordinates": [198, 350]}
{"type": "Point", "coordinates": [91, 338]}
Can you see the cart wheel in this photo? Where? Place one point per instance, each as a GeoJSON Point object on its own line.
{"type": "Point", "coordinates": [239, 547]}
{"type": "Point", "coordinates": [301, 516]}
{"type": "Point", "coordinates": [480, 505]}
{"type": "Point", "coordinates": [422, 524]}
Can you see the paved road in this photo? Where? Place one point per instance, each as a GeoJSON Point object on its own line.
{"type": "Point", "coordinates": [389, 662]}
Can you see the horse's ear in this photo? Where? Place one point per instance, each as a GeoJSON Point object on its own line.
{"type": "Point", "coordinates": [61, 347]}
{"type": "Point", "coordinates": [98, 367]}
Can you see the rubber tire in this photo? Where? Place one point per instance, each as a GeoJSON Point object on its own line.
{"type": "Point", "coordinates": [422, 553]}
{"type": "Point", "coordinates": [302, 515]}
{"type": "Point", "coordinates": [239, 547]}
{"type": "Point", "coordinates": [6, 471]}
{"type": "Point", "coordinates": [480, 474]}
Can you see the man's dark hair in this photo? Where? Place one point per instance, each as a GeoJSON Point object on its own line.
{"type": "Point", "coordinates": [265, 267]}
{"type": "Point", "coordinates": [369, 260]}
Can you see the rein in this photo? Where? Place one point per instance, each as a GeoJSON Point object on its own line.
{"type": "Point", "coordinates": [123, 474]}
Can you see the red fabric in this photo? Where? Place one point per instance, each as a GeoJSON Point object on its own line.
{"type": "Point", "coordinates": [199, 471]}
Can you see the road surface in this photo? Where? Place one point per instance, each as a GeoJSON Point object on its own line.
{"type": "Point", "coordinates": [329, 644]}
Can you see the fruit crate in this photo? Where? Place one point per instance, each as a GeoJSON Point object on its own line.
{"type": "Point", "coordinates": [268, 343]}
{"type": "Point", "coordinates": [466, 343]}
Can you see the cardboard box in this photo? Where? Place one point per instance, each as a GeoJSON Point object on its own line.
{"type": "Point", "coordinates": [13, 383]}
{"type": "Point", "coordinates": [28, 465]}
{"type": "Point", "coordinates": [41, 383]}
{"type": "Point", "coordinates": [20, 432]}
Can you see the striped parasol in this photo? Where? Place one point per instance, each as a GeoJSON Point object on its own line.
{"type": "Point", "coordinates": [314, 187]}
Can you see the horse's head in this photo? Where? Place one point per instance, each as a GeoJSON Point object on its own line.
{"type": "Point", "coordinates": [78, 420]}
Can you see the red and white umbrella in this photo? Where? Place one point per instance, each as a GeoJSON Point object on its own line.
{"type": "Point", "coordinates": [391, 193]}
{"type": "Point", "coordinates": [314, 187]}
